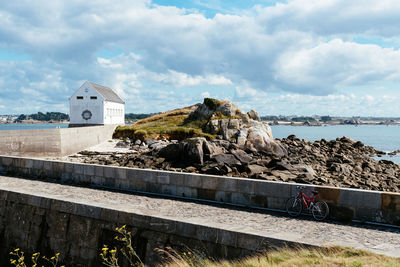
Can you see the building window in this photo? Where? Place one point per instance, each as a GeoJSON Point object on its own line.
{"type": "Point", "coordinates": [93, 97]}
{"type": "Point", "coordinates": [79, 97]}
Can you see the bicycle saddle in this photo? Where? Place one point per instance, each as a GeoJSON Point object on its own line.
{"type": "Point", "coordinates": [314, 192]}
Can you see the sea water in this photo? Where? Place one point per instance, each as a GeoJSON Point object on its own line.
{"type": "Point", "coordinates": [381, 137]}
{"type": "Point", "coordinates": [22, 126]}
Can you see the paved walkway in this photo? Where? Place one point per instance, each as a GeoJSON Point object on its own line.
{"type": "Point", "coordinates": [377, 239]}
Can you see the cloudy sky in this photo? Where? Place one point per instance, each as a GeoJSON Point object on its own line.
{"type": "Point", "coordinates": [303, 57]}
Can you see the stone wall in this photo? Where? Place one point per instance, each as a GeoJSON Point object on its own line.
{"type": "Point", "coordinates": [78, 232]}
{"type": "Point", "coordinates": [52, 142]}
{"type": "Point", "coordinates": [345, 204]}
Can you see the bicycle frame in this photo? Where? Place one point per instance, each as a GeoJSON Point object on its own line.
{"type": "Point", "coordinates": [308, 200]}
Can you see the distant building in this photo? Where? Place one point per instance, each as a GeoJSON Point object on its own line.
{"type": "Point", "coordinates": [94, 104]}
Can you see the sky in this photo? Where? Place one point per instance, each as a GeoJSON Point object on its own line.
{"type": "Point", "coordinates": [293, 57]}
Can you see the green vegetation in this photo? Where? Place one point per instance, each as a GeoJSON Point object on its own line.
{"type": "Point", "coordinates": [110, 257]}
{"type": "Point", "coordinates": [304, 119]}
{"type": "Point", "coordinates": [212, 103]}
{"type": "Point", "coordinates": [326, 118]}
{"type": "Point", "coordinates": [172, 124]}
{"type": "Point", "coordinates": [333, 256]}
{"type": "Point", "coordinates": [123, 253]}
{"type": "Point", "coordinates": [48, 116]}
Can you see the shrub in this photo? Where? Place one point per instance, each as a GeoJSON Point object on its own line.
{"type": "Point", "coordinates": [212, 103]}
{"type": "Point", "coordinates": [140, 134]}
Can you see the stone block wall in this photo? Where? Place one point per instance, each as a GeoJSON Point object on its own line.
{"type": "Point", "coordinates": [52, 142]}
{"type": "Point", "coordinates": [345, 204]}
{"type": "Point", "coordinates": [78, 232]}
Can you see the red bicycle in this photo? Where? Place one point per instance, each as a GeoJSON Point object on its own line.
{"type": "Point", "coordinates": [318, 208]}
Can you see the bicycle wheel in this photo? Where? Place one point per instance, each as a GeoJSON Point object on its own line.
{"type": "Point", "coordinates": [320, 210]}
{"type": "Point", "coordinates": [293, 206]}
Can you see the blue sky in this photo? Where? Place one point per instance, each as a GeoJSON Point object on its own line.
{"type": "Point", "coordinates": [301, 57]}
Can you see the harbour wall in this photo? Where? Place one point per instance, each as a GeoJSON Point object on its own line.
{"type": "Point", "coordinates": [78, 230]}
{"type": "Point", "coordinates": [345, 204]}
{"type": "Point", "coordinates": [52, 142]}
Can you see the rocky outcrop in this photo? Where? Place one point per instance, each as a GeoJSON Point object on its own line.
{"type": "Point", "coordinates": [231, 124]}
{"type": "Point", "coordinates": [342, 162]}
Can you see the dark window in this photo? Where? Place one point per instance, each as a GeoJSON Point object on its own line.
{"type": "Point", "coordinates": [79, 97]}
{"type": "Point", "coordinates": [93, 97]}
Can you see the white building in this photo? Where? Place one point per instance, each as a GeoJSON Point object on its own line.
{"type": "Point", "coordinates": [94, 104]}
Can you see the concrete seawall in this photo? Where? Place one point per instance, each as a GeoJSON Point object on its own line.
{"type": "Point", "coordinates": [52, 142]}
{"type": "Point", "coordinates": [345, 204]}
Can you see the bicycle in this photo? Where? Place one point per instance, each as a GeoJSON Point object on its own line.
{"type": "Point", "coordinates": [319, 208]}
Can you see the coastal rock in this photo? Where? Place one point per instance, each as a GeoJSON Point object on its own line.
{"type": "Point", "coordinates": [242, 156]}
{"type": "Point", "coordinates": [253, 169]}
{"type": "Point", "coordinates": [342, 162]}
{"type": "Point", "coordinates": [229, 123]}
{"type": "Point", "coordinates": [253, 115]}
{"type": "Point", "coordinates": [192, 149]}
{"type": "Point", "coordinates": [227, 159]}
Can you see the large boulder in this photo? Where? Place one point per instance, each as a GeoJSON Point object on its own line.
{"type": "Point", "coordinates": [258, 138]}
{"type": "Point", "coordinates": [253, 115]}
{"type": "Point", "coordinates": [189, 150]}
{"type": "Point", "coordinates": [227, 108]}
{"type": "Point", "coordinates": [192, 149]}
{"type": "Point", "coordinates": [247, 130]}
{"type": "Point", "coordinates": [213, 107]}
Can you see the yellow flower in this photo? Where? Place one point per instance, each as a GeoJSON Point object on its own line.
{"type": "Point", "coordinates": [104, 249]}
{"type": "Point", "coordinates": [13, 261]}
{"type": "Point", "coordinates": [53, 258]}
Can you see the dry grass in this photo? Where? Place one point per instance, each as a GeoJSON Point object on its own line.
{"type": "Point", "coordinates": [333, 256]}
{"type": "Point", "coordinates": [172, 124]}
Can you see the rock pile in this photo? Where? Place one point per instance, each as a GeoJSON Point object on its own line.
{"type": "Point", "coordinates": [231, 124]}
{"type": "Point", "coordinates": [345, 163]}
{"type": "Point", "coordinates": [341, 163]}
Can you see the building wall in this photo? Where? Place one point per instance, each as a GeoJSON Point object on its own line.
{"type": "Point", "coordinates": [78, 106]}
{"type": "Point", "coordinates": [52, 142]}
{"type": "Point", "coordinates": [114, 113]}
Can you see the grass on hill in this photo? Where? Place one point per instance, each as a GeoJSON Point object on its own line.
{"type": "Point", "coordinates": [172, 124]}
{"type": "Point", "coordinates": [333, 256]}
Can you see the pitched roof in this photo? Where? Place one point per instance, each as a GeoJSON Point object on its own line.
{"type": "Point", "coordinates": [107, 93]}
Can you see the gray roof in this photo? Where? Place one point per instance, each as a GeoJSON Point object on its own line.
{"type": "Point", "coordinates": [107, 93]}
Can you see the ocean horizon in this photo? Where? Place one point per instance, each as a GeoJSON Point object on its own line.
{"type": "Point", "coordinates": [32, 126]}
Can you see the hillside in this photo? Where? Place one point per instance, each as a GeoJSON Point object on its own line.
{"type": "Point", "coordinates": [174, 124]}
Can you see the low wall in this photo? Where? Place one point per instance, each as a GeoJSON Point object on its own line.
{"type": "Point", "coordinates": [52, 142]}
{"type": "Point", "coordinates": [78, 232]}
{"type": "Point", "coordinates": [345, 204]}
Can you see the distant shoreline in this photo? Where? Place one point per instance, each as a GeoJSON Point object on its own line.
{"type": "Point", "coordinates": [35, 122]}
{"type": "Point", "coordinates": [319, 124]}
{"type": "Point", "coordinates": [271, 123]}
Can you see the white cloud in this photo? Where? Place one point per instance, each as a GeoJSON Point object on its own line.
{"type": "Point", "coordinates": [301, 47]}
{"type": "Point", "coordinates": [333, 17]}
{"type": "Point", "coordinates": [327, 66]}
{"type": "Point", "coordinates": [205, 94]}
